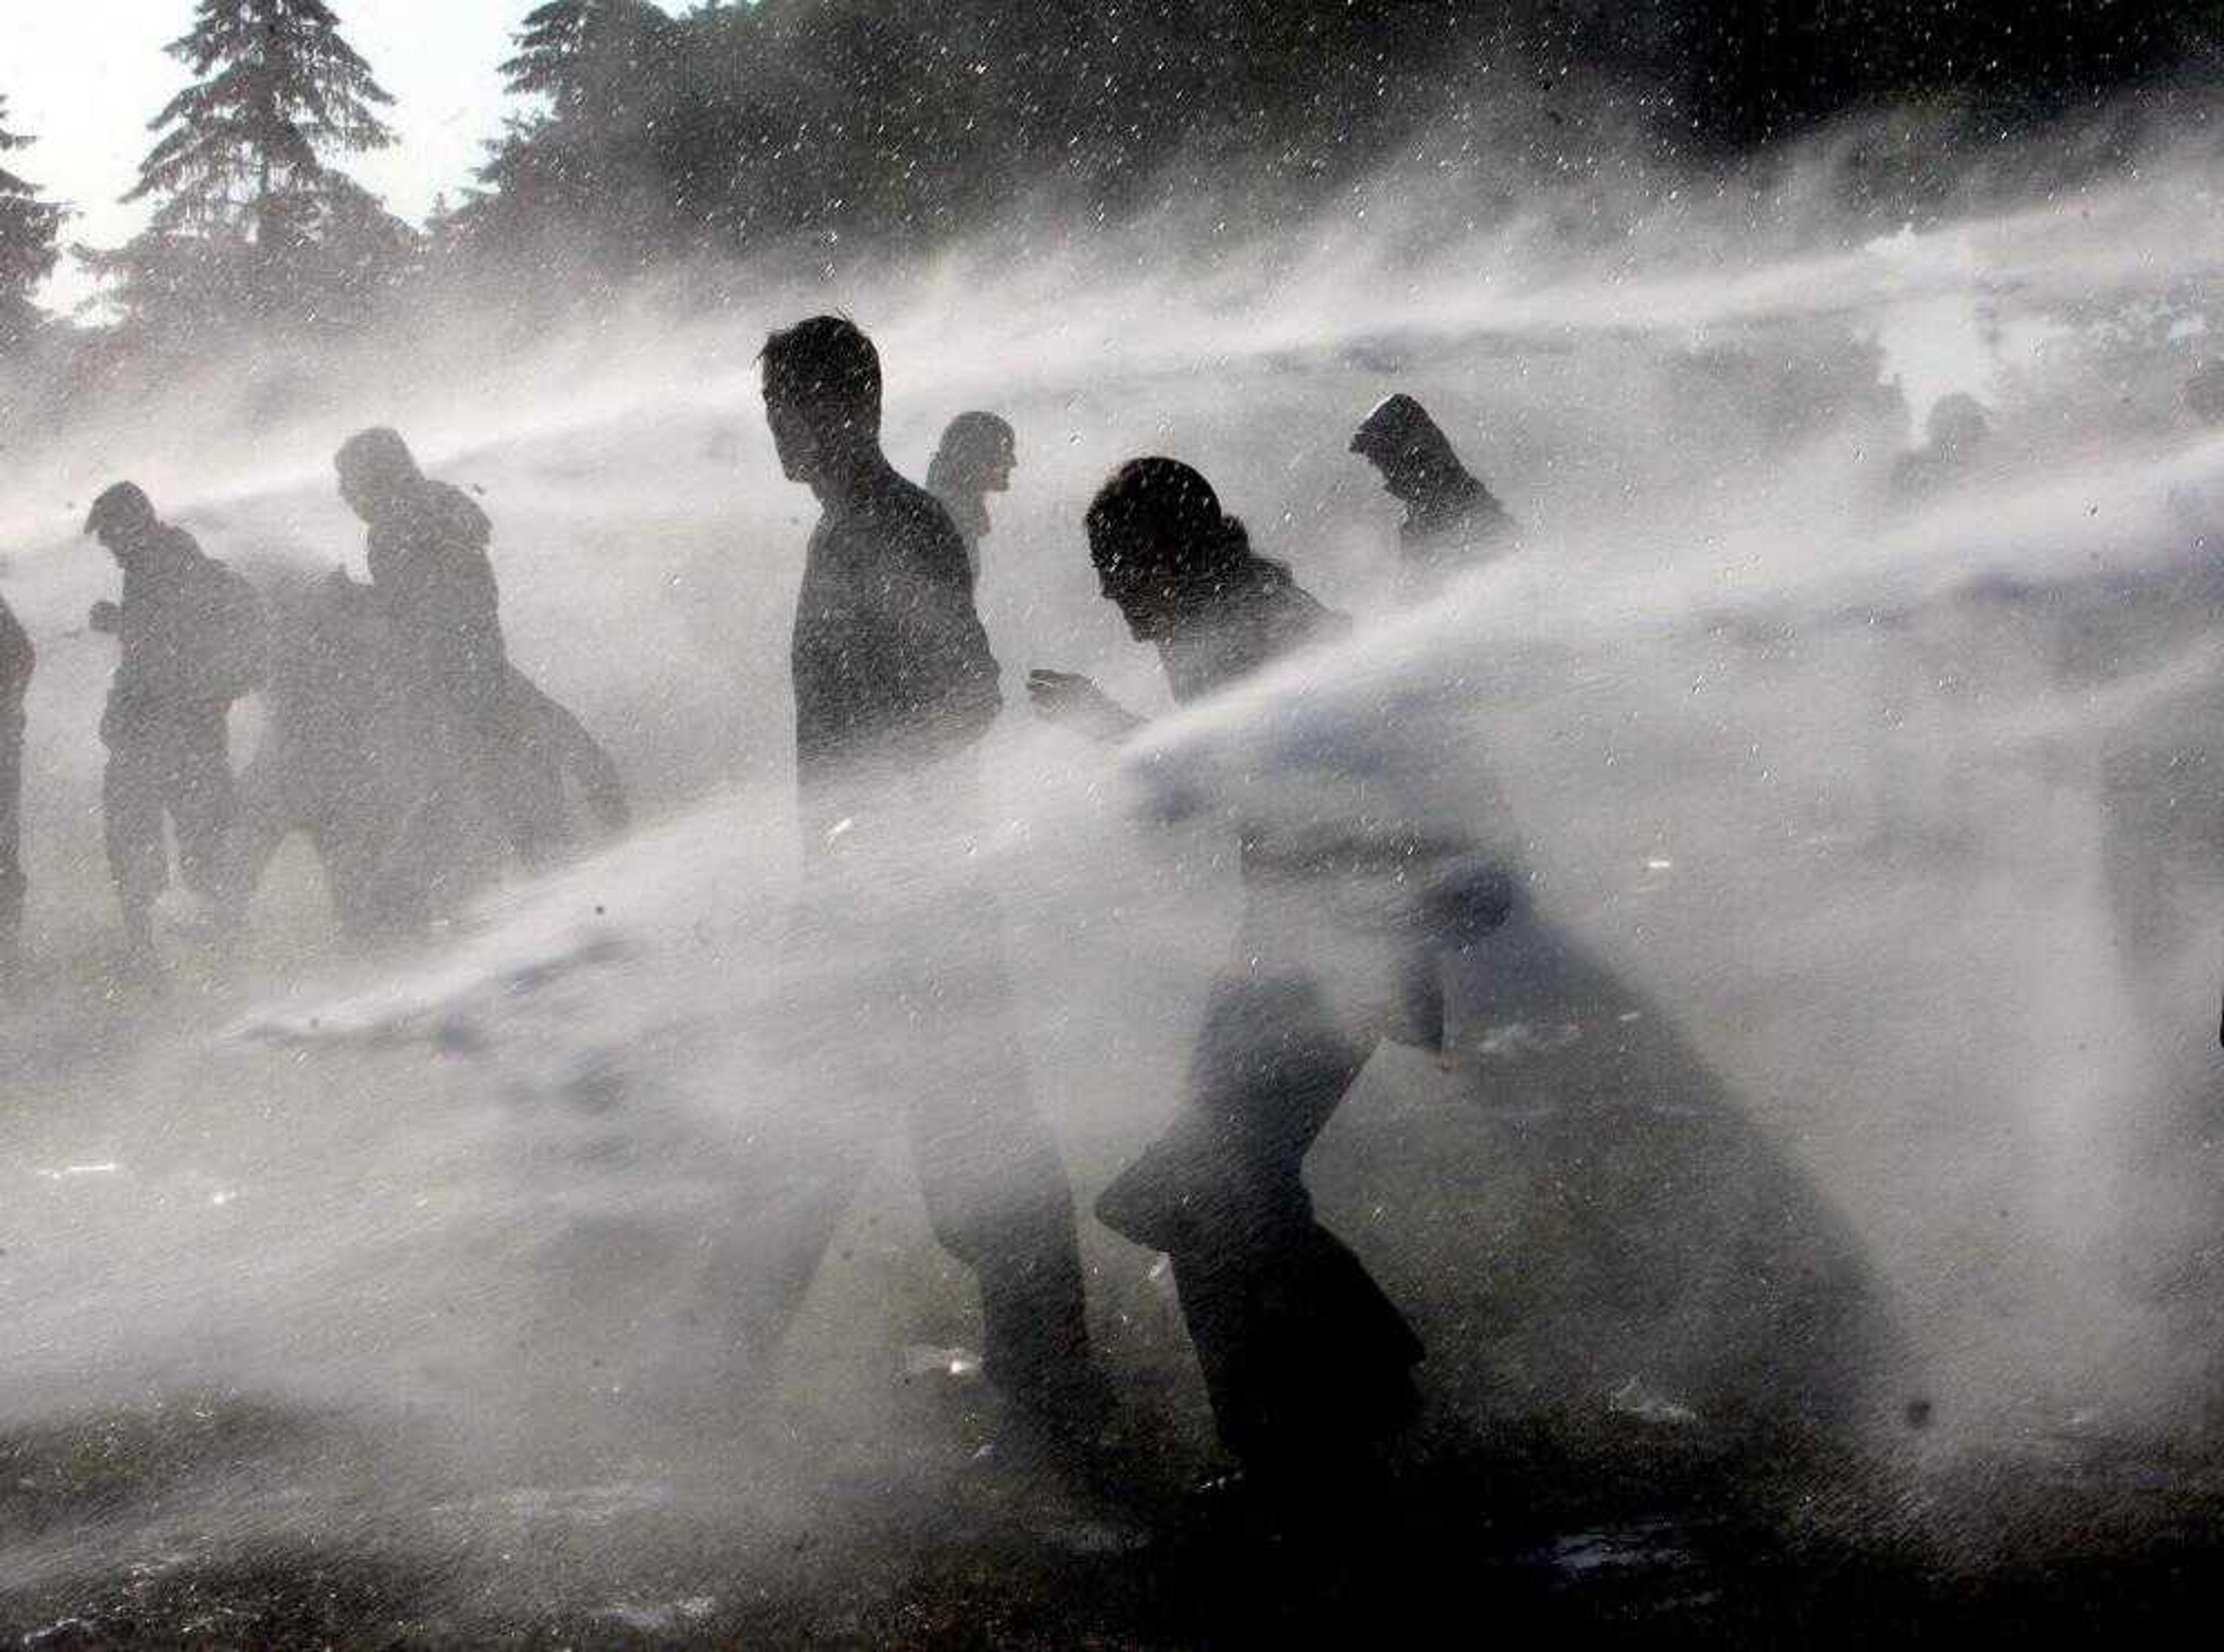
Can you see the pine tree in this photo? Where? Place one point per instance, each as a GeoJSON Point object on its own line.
{"type": "Point", "coordinates": [253, 218]}
{"type": "Point", "coordinates": [28, 245]}
{"type": "Point", "coordinates": [591, 60]}
{"type": "Point", "coordinates": [608, 79]}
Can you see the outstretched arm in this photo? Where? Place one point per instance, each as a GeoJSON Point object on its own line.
{"type": "Point", "coordinates": [1075, 702]}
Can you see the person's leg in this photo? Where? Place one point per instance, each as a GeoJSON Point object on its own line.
{"type": "Point", "coordinates": [202, 799]}
{"type": "Point", "coordinates": [820, 1116]}
{"type": "Point", "coordinates": [1307, 1364]}
{"type": "Point", "coordinates": [995, 1187]}
{"type": "Point", "coordinates": [519, 782]}
{"type": "Point", "coordinates": [131, 828]}
{"type": "Point", "coordinates": [264, 811]}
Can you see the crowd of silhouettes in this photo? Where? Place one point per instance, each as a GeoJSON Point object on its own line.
{"type": "Point", "coordinates": [404, 741]}
{"type": "Point", "coordinates": [1308, 1365]}
{"type": "Point", "coordinates": [396, 721]}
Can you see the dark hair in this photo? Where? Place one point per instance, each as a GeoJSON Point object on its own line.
{"type": "Point", "coordinates": [974, 435]}
{"type": "Point", "coordinates": [378, 453]}
{"type": "Point", "coordinates": [1400, 430]}
{"type": "Point", "coordinates": [1160, 517]}
{"type": "Point", "coordinates": [123, 506]}
{"type": "Point", "coordinates": [827, 359]}
{"type": "Point", "coordinates": [971, 443]}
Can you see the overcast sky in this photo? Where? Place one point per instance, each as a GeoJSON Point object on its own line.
{"type": "Point", "coordinates": [84, 77]}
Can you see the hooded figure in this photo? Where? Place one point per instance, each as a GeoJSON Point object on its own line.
{"type": "Point", "coordinates": [1308, 1363]}
{"type": "Point", "coordinates": [426, 550]}
{"type": "Point", "coordinates": [191, 642]}
{"type": "Point", "coordinates": [894, 685]}
{"type": "Point", "coordinates": [16, 659]}
{"type": "Point", "coordinates": [977, 458]}
{"type": "Point", "coordinates": [1452, 521]}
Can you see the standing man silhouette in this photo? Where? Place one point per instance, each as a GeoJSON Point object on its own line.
{"type": "Point", "coordinates": [894, 686]}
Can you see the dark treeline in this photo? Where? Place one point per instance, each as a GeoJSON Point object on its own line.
{"type": "Point", "coordinates": [837, 126]}
{"type": "Point", "coordinates": [741, 126]}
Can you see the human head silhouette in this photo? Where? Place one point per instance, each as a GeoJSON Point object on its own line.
{"type": "Point", "coordinates": [822, 393]}
{"type": "Point", "coordinates": [121, 519]}
{"type": "Point", "coordinates": [1162, 546]}
{"type": "Point", "coordinates": [1401, 441]}
{"type": "Point", "coordinates": [377, 472]}
{"type": "Point", "coordinates": [978, 450]}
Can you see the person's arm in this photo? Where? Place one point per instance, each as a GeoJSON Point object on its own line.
{"type": "Point", "coordinates": [1074, 702]}
{"type": "Point", "coordinates": [951, 688]}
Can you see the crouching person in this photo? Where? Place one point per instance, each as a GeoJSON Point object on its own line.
{"type": "Point", "coordinates": [1348, 915]}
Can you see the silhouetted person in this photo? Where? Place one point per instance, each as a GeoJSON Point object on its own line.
{"type": "Point", "coordinates": [348, 753]}
{"type": "Point", "coordinates": [976, 457]}
{"type": "Point", "coordinates": [347, 758]}
{"type": "Point", "coordinates": [1956, 434]}
{"type": "Point", "coordinates": [893, 686]}
{"type": "Point", "coordinates": [1308, 1363]}
{"type": "Point", "coordinates": [1453, 522]}
{"type": "Point", "coordinates": [17, 657]}
{"type": "Point", "coordinates": [426, 550]}
{"type": "Point", "coordinates": [191, 642]}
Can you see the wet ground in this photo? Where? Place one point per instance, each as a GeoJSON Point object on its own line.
{"type": "Point", "coordinates": [1615, 1529]}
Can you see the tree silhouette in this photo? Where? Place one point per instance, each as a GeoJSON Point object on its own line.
{"type": "Point", "coordinates": [254, 219]}
{"type": "Point", "coordinates": [28, 228]}
{"type": "Point", "coordinates": [593, 161]}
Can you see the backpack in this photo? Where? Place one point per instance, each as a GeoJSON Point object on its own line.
{"type": "Point", "coordinates": [239, 634]}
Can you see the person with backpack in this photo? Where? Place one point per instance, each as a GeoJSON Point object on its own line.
{"type": "Point", "coordinates": [426, 549]}
{"type": "Point", "coordinates": [191, 640]}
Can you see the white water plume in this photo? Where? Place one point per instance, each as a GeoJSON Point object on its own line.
{"type": "Point", "coordinates": [1825, 1002]}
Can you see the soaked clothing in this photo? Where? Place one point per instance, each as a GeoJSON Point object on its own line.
{"type": "Point", "coordinates": [180, 771]}
{"type": "Point", "coordinates": [191, 641]}
{"type": "Point", "coordinates": [16, 659]}
{"type": "Point", "coordinates": [1460, 525]}
{"type": "Point", "coordinates": [428, 562]}
{"type": "Point", "coordinates": [1308, 1363]}
{"type": "Point", "coordinates": [895, 683]}
{"type": "Point", "coordinates": [351, 758]}
{"type": "Point", "coordinates": [349, 750]}
{"type": "Point", "coordinates": [968, 507]}
{"type": "Point", "coordinates": [893, 678]}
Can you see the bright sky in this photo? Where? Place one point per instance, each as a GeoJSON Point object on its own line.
{"type": "Point", "coordinates": [84, 77]}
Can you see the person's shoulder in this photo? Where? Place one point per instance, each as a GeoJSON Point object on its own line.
{"type": "Point", "coordinates": [921, 524]}
{"type": "Point", "coordinates": [448, 517]}
{"type": "Point", "coordinates": [903, 501]}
